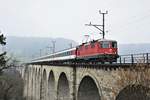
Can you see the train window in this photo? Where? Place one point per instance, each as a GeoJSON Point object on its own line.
{"type": "Point", "coordinates": [104, 44]}
{"type": "Point", "coordinates": [67, 53]}
{"type": "Point", "coordinates": [114, 44]}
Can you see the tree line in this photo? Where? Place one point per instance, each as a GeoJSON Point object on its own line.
{"type": "Point", "coordinates": [11, 83]}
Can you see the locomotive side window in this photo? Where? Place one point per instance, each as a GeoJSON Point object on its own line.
{"type": "Point", "coordinates": [114, 44]}
{"type": "Point", "coordinates": [104, 44]}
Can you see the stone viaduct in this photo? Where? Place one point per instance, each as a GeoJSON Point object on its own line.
{"type": "Point", "coordinates": [47, 82]}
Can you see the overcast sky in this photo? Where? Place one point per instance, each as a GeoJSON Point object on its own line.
{"type": "Point", "coordinates": [127, 21]}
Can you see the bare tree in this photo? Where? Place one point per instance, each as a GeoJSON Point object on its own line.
{"type": "Point", "coordinates": [11, 83]}
{"type": "Point", "coordinates": [3, 54]}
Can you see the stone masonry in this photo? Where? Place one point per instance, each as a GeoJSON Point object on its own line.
{"type": "Point", "coordinates": [45, 82]}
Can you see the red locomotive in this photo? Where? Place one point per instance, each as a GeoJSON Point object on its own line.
{"type": "Point", "coordinates": [98, 51]}
{"type": "Point", "coordinates": [101, 50]}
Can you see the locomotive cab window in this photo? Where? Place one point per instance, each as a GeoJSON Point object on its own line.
{"type": "Point", "coordinates": [114, 44]}
{"type": "Point", "coordinates": [104, 44]}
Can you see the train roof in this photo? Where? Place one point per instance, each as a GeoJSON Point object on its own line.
{"type": "Point", "coordinates": [99, 40]}
{"type": "Point", "coordinates": [106, 40]}
{"type": "Point", "coordinates": [62, 51]}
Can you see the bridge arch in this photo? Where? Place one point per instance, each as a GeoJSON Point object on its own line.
{"type": "Point", "coordinates": [38, 83]}
{"type": "Point", "coordinates": [33, 82]}
{"type": "Point", "coordinates": [26, 70]}
{"type": "Point", "coordinates": [26, 75]}
{"type": "Point", "coordinates": [51, 86]}
{"type": "Point", "coordinates": [134, 92]}
{"type": "Point", "coordinates": [32, 72]}
{"type": "Point", "coordinates": [26, 82]}
{"type": "Point", "coordinates": [63, 87]}
{"type": "Point", "coordinates": [43, 86]}
{"type": "Point", "coordinates": [88, 89]}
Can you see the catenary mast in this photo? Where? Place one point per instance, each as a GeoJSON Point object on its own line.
{"type": "Point", "coordinates": [101, 28]}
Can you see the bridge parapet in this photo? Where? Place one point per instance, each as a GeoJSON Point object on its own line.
{"type": "Point", "coordinates": [134, 58]}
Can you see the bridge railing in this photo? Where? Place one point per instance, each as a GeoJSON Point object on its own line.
{"type": "Point", "coordinates": [134, 58]}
